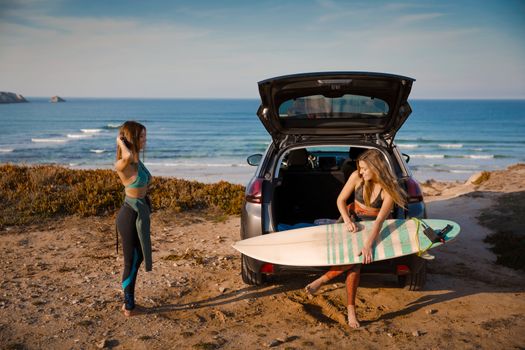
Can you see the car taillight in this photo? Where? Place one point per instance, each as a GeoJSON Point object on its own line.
{"type": "Point", "coordinates": [414, 191]}
{"type": "Point", "coordinates": [402, 270]}
{"type": "Point", "coordinates": [254, 190]}
{"type": "Point", "coordinates": [267, 268]}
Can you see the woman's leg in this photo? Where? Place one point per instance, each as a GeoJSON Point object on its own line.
{"type": "Point", "coordinates": [352, 282]}
{"type": "Point", "coordinates": [143, 229]}
{"type": "Point", "coordinates": [329, 275]}
{"type": "Point", "coordinates": [126, 220]}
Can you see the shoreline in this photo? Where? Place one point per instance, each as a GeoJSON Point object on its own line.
{"type": "Point", "coordinates": [240, 173]}
{"type": "Point", "coordinates": [234, 174]}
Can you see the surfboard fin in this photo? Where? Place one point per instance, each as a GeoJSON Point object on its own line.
{"type": "Point", "coordinates": [434, 236]}
{"type": "Point", "coordinates": [431, 234]}
{"type": "Point", "coordinates": [445, 230]}
{"type": "Point", "coordinates": [427, 256]}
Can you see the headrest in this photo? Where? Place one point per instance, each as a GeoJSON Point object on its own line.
{"type": "Point", "coordinates": [298, 158]}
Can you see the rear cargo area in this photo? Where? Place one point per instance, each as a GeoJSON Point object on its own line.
{"type": "Point", "coordinates": [307, 196]}
{"type": "Point", "coordinates": [309, 186]}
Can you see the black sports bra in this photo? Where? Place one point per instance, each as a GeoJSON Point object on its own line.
{"type": "Point", "coordinates": [377, 203]}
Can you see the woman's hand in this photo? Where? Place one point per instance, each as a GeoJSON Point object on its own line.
{"type": "Point", "coordinates": [366, 252]}
{"type": "Point", "coordinates": [351, 226]}
{"type": "Point", "coordinates": [119, 142]}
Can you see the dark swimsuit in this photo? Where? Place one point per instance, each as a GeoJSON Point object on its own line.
{"type": "Point", "coordinates": [358, 211]}
{"type": "Point", "coordinates": [133, 224]}
{"type": "Point", "coordinates": [143, 177]}
{"type": "Point", "coordinates": [376, 204]}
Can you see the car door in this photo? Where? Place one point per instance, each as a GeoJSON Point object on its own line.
{"type": "Point", "coordinates": [331, 104]}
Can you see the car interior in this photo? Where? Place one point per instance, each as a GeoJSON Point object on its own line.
{"type": "Point", "coordinates": [310, 182]}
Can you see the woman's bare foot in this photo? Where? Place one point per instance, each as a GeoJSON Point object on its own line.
{"type": "Point", "coordinates": [135, 311]}
{"type": "Point", "coordinates": [352, 318]}
{"type": "Point", "coordinates": [313, 287]}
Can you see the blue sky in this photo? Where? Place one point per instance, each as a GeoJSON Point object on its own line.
{"type": "Point", "coordinates": [116, 48]}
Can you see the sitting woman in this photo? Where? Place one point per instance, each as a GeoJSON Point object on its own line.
{"type": "Point", "coordinates": [372, 180]}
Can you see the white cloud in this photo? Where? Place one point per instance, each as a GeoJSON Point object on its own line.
{"type": "Point", "coordinates": [133, 58]}
{"type": "Point", "coordinates": [420, 17]}
{"type": "Point", "coordinates": [97, 54]}
{"type": "Point", "coordinates": [402, 6]}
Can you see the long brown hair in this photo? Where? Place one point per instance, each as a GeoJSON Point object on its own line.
{"type": "Point", "coordinates": [383, 175]}
{"type": "Point", "coordinates": [131, 131]}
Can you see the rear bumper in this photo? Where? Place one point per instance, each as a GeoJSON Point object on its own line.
{"type": "Point", "coordinates": [390, 266]}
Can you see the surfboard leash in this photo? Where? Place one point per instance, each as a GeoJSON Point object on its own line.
{"type": "Point", "coordinates": [432, 235]}
{"type": "Point", "coordinates": [425, 228]}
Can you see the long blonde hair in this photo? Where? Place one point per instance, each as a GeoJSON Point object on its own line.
{"type": "Point", "coordinates": [384, 177]}
{"type": "Point", "coordinates": [131, 131]}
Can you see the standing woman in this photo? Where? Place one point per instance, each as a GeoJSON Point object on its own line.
{"type": "Point", "coordinates": [133, 219]}
{"type": "Point", "coordinates": [376, 191]}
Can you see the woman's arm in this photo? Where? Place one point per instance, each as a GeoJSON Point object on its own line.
{"type": "Point", "coordinates": [127, 156]}
{"type": "Point", "coordinates": [384, 212]}
{"type": "Point", "coordinates": [343, 198]}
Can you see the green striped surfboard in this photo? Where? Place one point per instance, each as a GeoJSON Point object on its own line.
{"type": "Point", "coordinates": [331, 245]}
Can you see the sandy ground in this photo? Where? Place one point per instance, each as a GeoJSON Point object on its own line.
{"type": "Point", "coordinates": [60, 289]}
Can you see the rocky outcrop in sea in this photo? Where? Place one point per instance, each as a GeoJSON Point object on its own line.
{"type": "Point", "coordinates": [11, 97]}
{"type": "Point", "coordinates": [56, 99]}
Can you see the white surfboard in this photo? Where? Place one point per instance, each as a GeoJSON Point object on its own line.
{"type": "Point", "coordinates": [331, 245]}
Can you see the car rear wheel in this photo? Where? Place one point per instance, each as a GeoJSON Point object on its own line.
{"type": "Point", "coordinates": [417, 278]}
{"type": "Point", "coordinates": [254, 278]}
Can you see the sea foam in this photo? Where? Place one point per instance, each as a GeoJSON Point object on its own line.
{"type": "Point", "coordinates": [78, 136]}
{"type": "Point", "coordinates": [408, 145]}
{"type": "Point", "coordinates": [113, 126]}
{"type": "Point", "coordinates": [428, 156]}
{"type": "Point", "coordinates": [195, 165]}
{"type": "Point", "coordinates": [450, 145]}
{"type": "Point", "coordinates": [479, 156]}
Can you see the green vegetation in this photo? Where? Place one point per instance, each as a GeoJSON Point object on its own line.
{"type": "Point", "coordinates": [32, 193]}
{"type": "Point", "coordinates": [505, 218]}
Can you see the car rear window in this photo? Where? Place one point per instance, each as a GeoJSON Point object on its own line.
{"type": "Point", "coordinates": [322, 107]}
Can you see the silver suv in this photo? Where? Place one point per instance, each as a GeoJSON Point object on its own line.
{"type": "Point", "coordinates": [319, 124]}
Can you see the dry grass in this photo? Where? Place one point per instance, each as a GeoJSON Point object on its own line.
{"type": "Point", "coordinates": [34, 193]}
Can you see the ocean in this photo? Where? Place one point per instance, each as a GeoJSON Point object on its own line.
{"type": "Point", "coordinates": [209, 139]}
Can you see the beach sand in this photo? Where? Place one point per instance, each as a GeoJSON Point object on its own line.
{"type": "Point", "coordinates": [60, 288]}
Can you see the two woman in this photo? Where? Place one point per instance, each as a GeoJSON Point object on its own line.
{"type": "Point", "coordinates": [133, 219]}
{"type": "Point", "coordinates": [375, 192]}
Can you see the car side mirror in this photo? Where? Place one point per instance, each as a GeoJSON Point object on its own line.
{"type": "Point", "coordinates": [254, 159]}
{"type": "Point", "coordinates": [407, 157]}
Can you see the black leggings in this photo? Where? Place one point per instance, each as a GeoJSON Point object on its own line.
{"type": "Point", "coordinates": [126, 226]}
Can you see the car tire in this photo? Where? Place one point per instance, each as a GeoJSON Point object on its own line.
{"type": "Point", "coordinates": [253, 278]}
{"type": "Point", "coordinates": [417, 278]}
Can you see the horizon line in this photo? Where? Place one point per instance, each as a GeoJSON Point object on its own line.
{"type": "Point", "coordinates": [255, 98]}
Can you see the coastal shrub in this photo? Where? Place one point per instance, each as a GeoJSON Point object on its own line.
{"type": "Point", "coordinates": [182, 195]}
{"type": "Point", "coordinates": [32, 193]}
